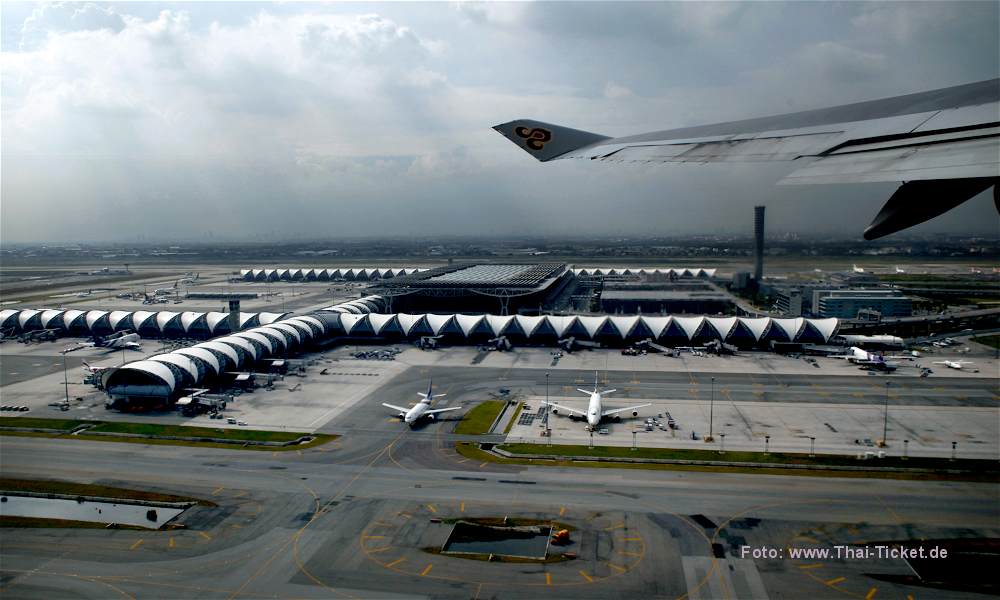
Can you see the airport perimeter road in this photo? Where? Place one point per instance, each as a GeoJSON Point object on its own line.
{"type": "Point", "coordinates": [351, 520]}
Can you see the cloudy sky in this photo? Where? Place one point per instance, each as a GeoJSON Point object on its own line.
{"type": "Point", "coordinates": [259, 121]}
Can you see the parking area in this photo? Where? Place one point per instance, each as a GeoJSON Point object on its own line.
{"type": "Point", "coordinates": [782, 426]}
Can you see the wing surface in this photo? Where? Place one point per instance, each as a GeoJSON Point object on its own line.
{"type": "Point", "coordinates": [615, 411]}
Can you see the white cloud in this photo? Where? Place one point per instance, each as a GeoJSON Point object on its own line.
{"type": "Point", "coordinates": [317, 110]}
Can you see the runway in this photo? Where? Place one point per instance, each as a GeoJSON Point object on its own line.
{"type": "Point", "coordinates": [348, 521]}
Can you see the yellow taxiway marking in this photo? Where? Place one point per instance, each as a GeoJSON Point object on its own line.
{"type": "Point", "coordinates": [136, 544]}
{"type": "Point", "coordinates": [217, 490]}
{"type": "Point", "coordinates": [377, 550]}
{"type": "Point", "coordinates": [405, 515]}
{"type": "Point", "coordinates": [463, 459]}
{"type": "Point", "coordinates": [587, 577]}
{"type": "Point", "coordinates": [812, 566]}
{"type": "Point", "coordinates": [204, 535]}
{"type": "Point", "coordinates": [431, 508]}
{"type": "Point", "coordinates": [632, 539]}
{"type": "Point", "coordinates": [395, 562]}
{"type": "Point", "coordinates": [834, 581]}
{"type": "Point", "coordinates": [871, 593]}
{"type": "Point", "coordinates": [483, 465]}
{"type": "Point", "coordinates": [548, 579]}
{"type": "Point", "coordinates": [858, 394]}
{"type": "Point", "coordinates": [624, 553]}
{"type": "Point", "coordinates": [461, 507]}
{"type": "Point", "coordinates": [617, 568]}
{"type": "Point", "coordinates": [613, 527]}
{"type": "Point", "coordinates": [427, 569]}
{"type": "Point", "coordinates": [172, 544]}
{"type": "Point", "coordinates": [373, 537]}
{"type": "Point", "coordinates": [562, 510]}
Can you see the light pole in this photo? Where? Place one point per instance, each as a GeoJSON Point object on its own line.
{"type": "Point", "coordinates": [906, 447]}
{"type": "Point", "coordinates": [711, 412]}
{"type": "Point", "coordinates": [885, 417]}
{"type": "Point", "coordinates": [633, 439]}
{"type": "Point", "coordinates": [65, 378]}
{"type": "Point", "coordinates": [953, 444]}
{"type": "Point", "coordinates": [812, 445]}
{"type": "Point", "coordinates": [722, 448]}
{"type": "Point", "coordinates": [548, 432]}
{"type": "Point", "coordinates": [767, 443]}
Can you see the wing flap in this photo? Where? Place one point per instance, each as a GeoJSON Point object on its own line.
{"type": "Point", "coordinates": [956, 159]}
{"type": "Point", "coordinates": [761, 148]}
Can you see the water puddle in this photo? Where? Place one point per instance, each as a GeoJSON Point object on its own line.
{"type": "Point", "coordinates": [471, 538]}
{"type": "Point", "coordinates": [93, 511]}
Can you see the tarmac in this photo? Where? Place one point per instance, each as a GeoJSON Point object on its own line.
{"type": "Point", "coordinates": [355, 518]}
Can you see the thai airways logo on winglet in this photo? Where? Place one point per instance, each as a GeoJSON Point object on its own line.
{"type": "Point", "coordinates": [535, 138]}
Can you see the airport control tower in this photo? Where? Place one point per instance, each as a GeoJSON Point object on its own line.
{"type": "Point", "coordinates": [758, 247]}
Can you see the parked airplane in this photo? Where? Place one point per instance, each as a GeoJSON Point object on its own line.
{"type": "Point", "coordinates": [95, 370]}
{"type": "Point", "coordinates": [868, 360]}
{"type": "Point", "coordinates": [421, 409]}
{"type": "Point", "coordinates": [900, 270]}
{"type": "Point", "coordinates": [129, 341]}
{"type": "Point", "coordinates": [595, 412]}
{"type": "Point", "coordinates": [944, 144]}
{"type": "Point", "coordinates": [857, 269]}
{"type": "Point", "coordinates": [956, 364]}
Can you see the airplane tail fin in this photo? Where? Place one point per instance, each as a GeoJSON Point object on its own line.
{"type": "Point", "coordinates": [545, 141]}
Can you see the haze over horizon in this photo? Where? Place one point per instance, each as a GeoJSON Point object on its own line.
{"type": "Point", "coordinates": [254, 121]}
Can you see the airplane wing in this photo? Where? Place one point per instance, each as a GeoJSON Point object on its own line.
{"type": "Point", "coordinates": [568, 409]}
{"type": "Point", "coordinates": [441, 410]}
{"type": "Point", "coordinates": [615, 411]}
{"type": "Point", "coordinates": [399, 408]}
{"type": "Point", "coordinates": [945, 144]}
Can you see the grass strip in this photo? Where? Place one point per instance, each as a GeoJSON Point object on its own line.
{"type": "Point", "coordinates": [751, 457]}
{"type": "Point", "coordinates": [32, 422]}
{"type": "Point", "coordinates": [472, 451]}
{"type": "Point", "coordinates": [513, 419]}
{"type": "Point", "coordinates": [191, 433]}
{"type": "Point", "coordinates": [241, 434]}
{"type": "Point", "coordinates": [993, 341]}
{"type": "Point", "coordinates": [318, 440]}
{"type": "Point", "coordinates": [478, 420]}
{"type": "Point", "coordinates": [69, 488]}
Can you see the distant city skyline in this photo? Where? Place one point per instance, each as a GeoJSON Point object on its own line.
{"type": "Point", "coordinates": [269, 122]}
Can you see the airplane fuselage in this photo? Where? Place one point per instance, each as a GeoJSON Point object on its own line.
{"type": "Point", "coordinates": [594, 410]}
{"type": "Point", "coordinates": [416, 413]}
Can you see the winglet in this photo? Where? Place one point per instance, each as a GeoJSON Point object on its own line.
{"type": "Point", "coordinates": [545, 141]}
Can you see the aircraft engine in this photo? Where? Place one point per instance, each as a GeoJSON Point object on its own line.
{"type": "Point", "coordinates": [618, 419]}
{"type": "Point", "coordinates": [635, 413]}
{"type": "Point", "coordinates": [431, 417]}
{"type": "Point", "coordinates": [555, 411]}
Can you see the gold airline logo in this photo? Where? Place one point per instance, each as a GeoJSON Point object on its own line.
{"type": "Point", "coordinates": [535, 138]}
